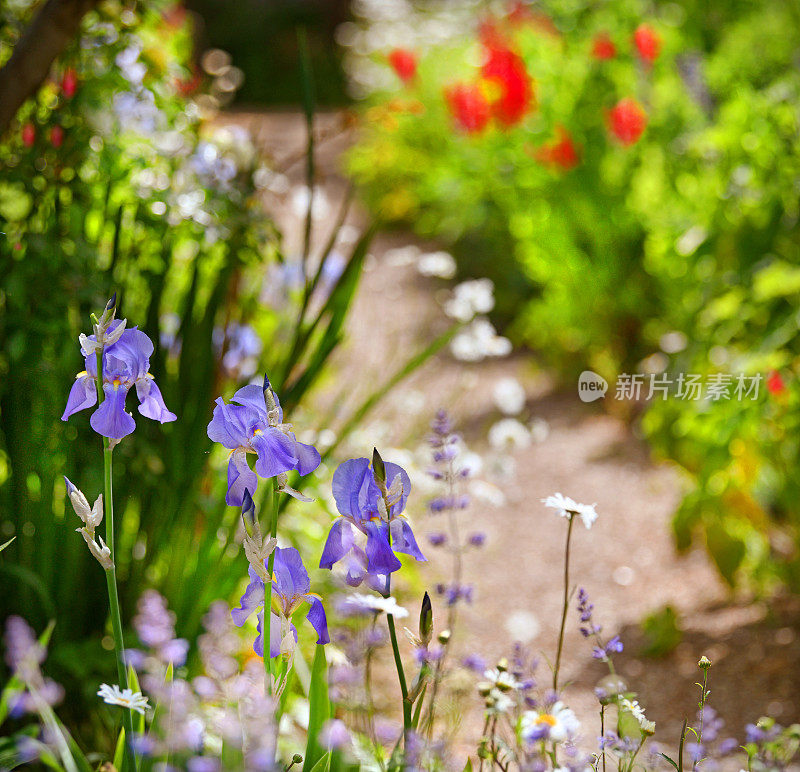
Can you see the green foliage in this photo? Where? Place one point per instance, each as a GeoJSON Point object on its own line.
{"type": "Point", "coordinates": [661, 632]}
{"type": "Point", "coordinates": [681, 248]}
{"type": "Point", "coordinates": [319, 707]}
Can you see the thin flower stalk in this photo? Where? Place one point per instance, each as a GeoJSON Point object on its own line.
{"type": "Point", "coordinates": [111, 572]}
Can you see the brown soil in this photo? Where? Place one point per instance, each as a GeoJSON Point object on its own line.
{"type": "Point", "coordinates": [627, 562]}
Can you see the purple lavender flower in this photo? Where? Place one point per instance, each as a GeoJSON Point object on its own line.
{"type": "Point", "coordinates": [126, 363]}
{"type": "Point", "coordinates": [155, 626]}
{"type": "Point", "coordinates": [375, 509]}
{"type": "Point", "coordinates": [290, 588]}
{"type": "Point", "coordinates": [249, 425]}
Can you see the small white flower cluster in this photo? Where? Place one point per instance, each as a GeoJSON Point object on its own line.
{"type": "Point", "coordinates": [479, 340]}
{"type": "Point", "coordinates": [469, 299]}
{"type": "Point", "coordinates": [567, 507]}
{"type": "Point", "coordinates": [498, 690]}
{"type": "Point", "coordinates": [439, 264]}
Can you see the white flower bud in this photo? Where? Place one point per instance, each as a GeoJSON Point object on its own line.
{"type": "Point", "coordinates": [100, 551]}
{"type": "Point", "coordinates": [95, 517]}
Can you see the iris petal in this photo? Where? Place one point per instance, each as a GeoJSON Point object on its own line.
{"type": "Point", "coordinates": [83, 394]}
{"type": "Point", "coordinates": [240, 478]}
{"type": "Point", "coordinates": [291, 577]}
{"type": "Point", "coordinates": [110, 419]}
{"type": "Point", "coordinates": [319, 621]}
{"type": "Point", "coordinates": [275, 452]}
{"type": "Point", "coordinates": [151, 402]}
{"type": "Point", "coordinates": [339, 542]}
{"type": "Point", "coordinates": [403, 539]}
{"type": "Point", "coordinates": [381, 559]}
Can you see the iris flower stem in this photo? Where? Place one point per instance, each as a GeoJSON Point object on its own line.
{"type": "Point", "coordinates": [398, 661]}
{"type": "Point", "coordinates": [566, 605]}
{"type": "Point", "coordinates": [111, 573]}
{"type": "Point", "coordinates": [401, 676]}
{"type": "Point", "coordinates": [267, 636]}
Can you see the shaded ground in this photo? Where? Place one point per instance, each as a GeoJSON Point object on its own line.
{"type": "Point", "coordinates": [626, 562]}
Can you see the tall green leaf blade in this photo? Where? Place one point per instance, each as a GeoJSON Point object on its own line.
{"type": "Point", "coordinates": [319, 706]}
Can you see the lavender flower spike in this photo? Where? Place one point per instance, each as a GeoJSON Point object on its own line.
{"type": "Point", "coordinates": [290, 588]}
{"type": "Point", "coordinates": [126, 363]}
{"type": "Point", "coordinates": [371, 501]}
{"type": "Point", "coordinates": [253, 423]}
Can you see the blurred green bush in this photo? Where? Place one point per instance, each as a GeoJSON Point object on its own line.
{"type": "Point", "coordinates": [665, 230]}
{"type": "Point", "coordinates": [113, 181]}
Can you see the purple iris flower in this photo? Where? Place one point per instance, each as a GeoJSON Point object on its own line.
{"type": "Point", "coordinates": [249, 426]}
{"type": "Point", "coordinates": [375, 512]}
{"type": "Point", "coordinates": [290, 588]}
{"type": "Point", "coordinates": [125, 364]}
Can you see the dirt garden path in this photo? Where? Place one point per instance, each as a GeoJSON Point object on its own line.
{"type": "Point", "coordinates": [627, 562]}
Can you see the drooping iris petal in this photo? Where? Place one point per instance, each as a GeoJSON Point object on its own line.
{"type": "Point", "coordinates": [403, 539]}
{"type": "Point", "coordinates": [339, 542]}
{"type": "Point", "coordinates": [308, 457]}
{"type": "Point", "coordinates": [240, 478]}
{"type": "Point", "coordinates": [380, 558]}
{"type": "Point", "coordinates": [151, 402]}
{"type": "Point", "coordinates": [316, 615]}
{"type": "Point", "coordinates": [83, 394]}
{"type": "Point", "coordinates": [252, 599]}
{"type": "Point", "coordinates": [275, 452]}
{"type": "Point", "coordinates": [110, 419]}
{"type": "Point", "coordinates": [291, 577]}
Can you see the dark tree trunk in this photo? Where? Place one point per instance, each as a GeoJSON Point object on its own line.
{"type": "Point", "coordinates": [53, 28]}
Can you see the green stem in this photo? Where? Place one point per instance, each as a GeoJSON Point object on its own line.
{"type": "Point", "coordinates": [401, 675]}
{"type": "Point", "coordinates": [566, 606]}
{"type": "Point", "coordinates": [111, 573]}
{"type": "Point", "coordinates": [273, 530]}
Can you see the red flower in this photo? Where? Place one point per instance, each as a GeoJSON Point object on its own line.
{"type": "Point", "coordinates": [647, 42]}
{"type": "Point", "coordinates": [469, 107]}
{"type": "Point", "coordinates": [506, 69]}
{"type": "Point", "coordinates": [69, 83]}
{"type": "Point", "coordinates": [404, 63]}
{"type": "Point", "coordinates": [28, 135]}
{"type": "Point", "coordinates": [56, 136]}
{"type": "Point", "coordinates": [775, 384]}
{"type": "Point", "coordinates": [603, 47]}
{"type": "Point", "coordinates": [562, 153]}
{"type": "Point", "coordinates": [188, 86]}
{"type": "Point", "coordinates": [627, 120]}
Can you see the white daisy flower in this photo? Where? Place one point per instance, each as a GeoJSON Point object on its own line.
{"type": "Point", "coordinates": [557, 725]}
{"type": "Point", "coordinates": [567, 507]}
{"type": "Point", "coordinates": [360, 602]}
{"type": "Point", "coordinates": [125, 698]}
{"type": "Point", "coordinates": [501, 679]}
{"type": "Point", "coordinates": [633, 707]}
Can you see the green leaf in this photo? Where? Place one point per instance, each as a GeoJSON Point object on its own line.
{"type": "Point", "coordinates": [664, 756]}
{"type": "Point", "coordinates": [661, 632]}
{"type": "Point", "coordinates": [119, 751]}
{"type": "Point", "coordinates": [468, 766]}
{"type": "Point", "coordinates": [322, 764]}
{"type": "Point", "coordinates": [726, 550]}
{"type": "Point", "coordinates": [3, 546]}
{"type": "Point", "coordinates": [319, 707]}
